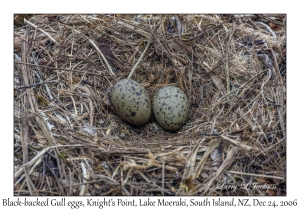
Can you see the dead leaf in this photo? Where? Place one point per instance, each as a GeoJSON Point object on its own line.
{"type": "Point", "coordinates": [271, 192]}
{"type": "Point", "coordinates": [261, 180]}
{"type": "Point", "coordinates": [275, 27]}
{"type": "Point", "coordinates": [214, 154]}
{"type": "Point", "coordinates": [108, 131]}
{"type": "Point", "coordinates": [204, 175]}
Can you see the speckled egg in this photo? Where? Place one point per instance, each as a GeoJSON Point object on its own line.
{"type": "Point", "coordinates": [131, 102]}
{"type": "Point", "coordinates": [171, 107]}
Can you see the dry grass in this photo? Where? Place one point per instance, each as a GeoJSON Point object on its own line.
{"type": "Point", "coordinates": [69, 142]}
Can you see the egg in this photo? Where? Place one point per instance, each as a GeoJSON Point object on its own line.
{"type": "Point", "coordinates": [131, 102]}
{"type": "Point", "coordinates": [170, 107]}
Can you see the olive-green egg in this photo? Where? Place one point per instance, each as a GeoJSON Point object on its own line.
{"type": "Point", "coordinates": [131, 102]}
{"type": "Point", "coordinates": [171, 107]}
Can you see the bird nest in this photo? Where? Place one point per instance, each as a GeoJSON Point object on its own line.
{"type": "Point", "coordinates": [68, 141]}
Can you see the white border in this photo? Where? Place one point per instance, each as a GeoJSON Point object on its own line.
{"type": "Point", "coordinates": [134, 6]}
